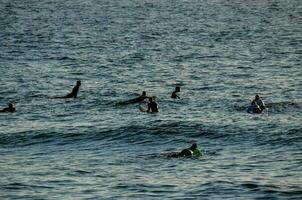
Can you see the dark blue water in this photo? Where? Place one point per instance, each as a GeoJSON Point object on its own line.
{"type": "Point", "coordinates": [221, 53]}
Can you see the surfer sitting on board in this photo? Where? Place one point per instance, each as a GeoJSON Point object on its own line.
{"type": "Point", "coordinates": [192, 151]}
{"type": "Point", "coordinates": [10, 108]}
{"type": "Point", "coordinates": [257, 105]}
{"type": "Point", "coordinates": [259, 102]}
{"type": "Point", "coordinates": [73, 93]}
{"type": "Point", "coordinates": [174, 93]}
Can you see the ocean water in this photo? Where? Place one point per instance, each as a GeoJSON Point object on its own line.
{"type": "Point", "coordinates": [220, 52]}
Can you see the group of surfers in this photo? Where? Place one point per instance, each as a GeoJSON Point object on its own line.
{"type": "Point", "coordinates": [257, 106]}
{"type": "Point", "coordinates": [152, 105]}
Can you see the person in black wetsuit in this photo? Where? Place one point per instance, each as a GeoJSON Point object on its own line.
{"type": "Point", "coordinates": [192, 151]}
{"type": "Point", "coordinates": [174, 93]}
{"type": "Point", "coordinates": [152, 105]}
{"type": "Point", "coordinates": [10, 108]}
{"type": "Point", "coordinates": [257, 105]}
{"type": "Point", "coordinates": [73, 93]}
{"type": "Point", "coordinates": [139, 99]}
{"type": "Point", "coordinates": [259, 102]}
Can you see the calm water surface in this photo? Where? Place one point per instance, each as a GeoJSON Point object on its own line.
{"type": "Point", "coordinates": [221, 53]}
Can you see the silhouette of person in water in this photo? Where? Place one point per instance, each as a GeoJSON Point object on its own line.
{"type": "Point", "coordinates": [257, 105]}
{"type": "Point", "coordinates": [139, 99]}
{"type": "Point", "coordinates": [259, 102]}
{"type": "Point", "coordinates": [174, 93]}
{"type": "Point", "coordinates": [73, 93]}
{"type": "Point", "coordinates": [152, 105]}
{"type": "Point", "coordinates": [254, 108]}
{"type": "Point", "coordinates": [192, 151]}
{"type": "Point", "coordinates": [10, 108]}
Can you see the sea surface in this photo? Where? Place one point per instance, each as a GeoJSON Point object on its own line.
{"type": "Point", "coordinates": [220, 52]}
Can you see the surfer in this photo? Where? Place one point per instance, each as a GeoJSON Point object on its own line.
{"type": "Point", "coordinates": [139, 99]}
{"type": "Point", "coordinates": [10, 108]}
{"type": "Point", "coordinates": [174, 93]}
{"type": "Point", "coordinates": [152, 105]}
{"type": "Point", "coordinates": [192, 151]}
{"type": "Point", "coordinates": [259, 102]}
{"type": "Point", "coordinates": [257, 105]}
{"type": "Point", "coordinates": [73, 93]}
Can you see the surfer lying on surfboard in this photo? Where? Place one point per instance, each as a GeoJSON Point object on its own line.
{"type": "Point", "coordinates": [192, 151]}
{"type": "Point", "coordinates": [139, 99]}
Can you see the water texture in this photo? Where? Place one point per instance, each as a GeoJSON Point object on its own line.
{"type": "Point", "coordinates": [221, 53]}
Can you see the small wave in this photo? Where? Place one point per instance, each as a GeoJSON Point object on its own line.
{"type": "Point", "coordinates": [156, 132]}
{"type": "Point", "coordinates": [16, 186]}
{"type": "Point", "coordinates": [65, 58]}
{"type": "Point", "coordinates": [252, 186]}
{"type": "Point", "coordinates": [283, 106]}
{"type": "Point", "coordinates": [271, 189]}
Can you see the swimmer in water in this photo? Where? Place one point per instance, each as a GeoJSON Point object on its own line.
{"type": "Point", "coordinates": [174, 93]}
{"type": "Point", "coordinates": [139, 99]}
{"type": "Point", "coordinates": [10, 108]}
{"type": "Point", "coordinates": [192, 151]}
{"type": "Point", "coordinates": [73, 93]}
{"type": "Point", "coordinates": [152, 105]}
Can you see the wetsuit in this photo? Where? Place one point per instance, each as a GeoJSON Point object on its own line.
{"type": "Point", "coordinates": [254, 108]}
{"type": "Point", "coordinates": [174, 95]}
{"type": "Point", "coordinates": [260, 104]}
{"type": "Point", "coordinates": [8, 110]}
{"type": "Point", "coordinates": [186, 153]}
{"type": "Point", "coordinates": [152, 106]}
{"type": "Point", "coordinates": [74, 92]}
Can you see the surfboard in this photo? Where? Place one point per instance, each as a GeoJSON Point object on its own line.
{"type": "Point", "coordinates": [142, 109]}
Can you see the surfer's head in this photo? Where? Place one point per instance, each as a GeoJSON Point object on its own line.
{"type": "Point", "coordinates": [144, 93]}
{"type": "Point", "coordinates": [78, 83]}
{"type": "Point", "coordinates": [177, 89]}
{"type": "Point", "coordinates": [10, 105]}
{"type": "Point", "coordinates": [257, 97]}
{"type": "Point", "coordinates": [150, 99]}
{"type": "Point", "coordinates": [193, 147]}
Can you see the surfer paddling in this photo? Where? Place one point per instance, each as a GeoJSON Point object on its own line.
{"type": "Point", "coordinates": [192, 151]}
